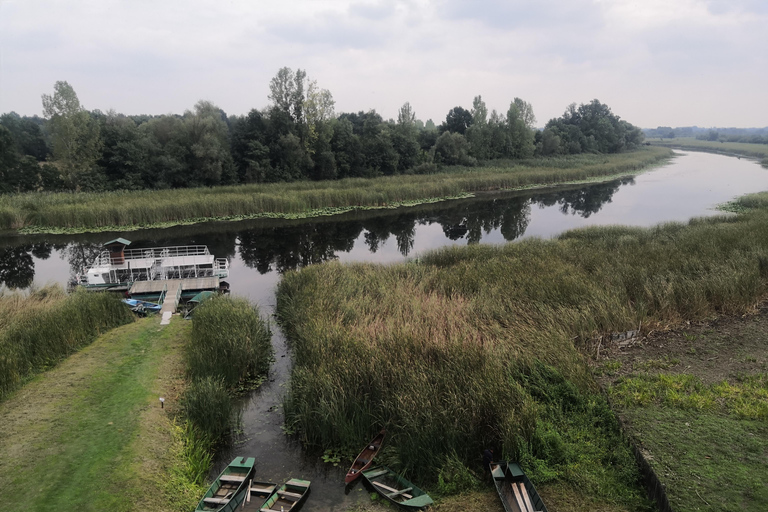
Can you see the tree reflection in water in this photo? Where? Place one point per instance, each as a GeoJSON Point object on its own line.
{"type": "Point", "coordinates": [286, 245]}
{"type": "Point", "coordinates": [17, 266]}
{"type": "Point", "coordinates": [290, 247]}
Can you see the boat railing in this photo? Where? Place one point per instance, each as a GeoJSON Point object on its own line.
{"type": "Point", "coordinates": [178, 295]}
{"type": "Point", "coordinates": [157, 253]}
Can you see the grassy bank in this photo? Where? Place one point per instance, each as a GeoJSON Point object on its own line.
{"type": "Point", "coordinates": [79, 212]}
{"type": "Point", "coordinates": [696, 401]}
{"type": "Point", "coordinates": [229, 350]}
{"type": "Point", "coordinates": [757, 151]}
{"type": "Point", "coordinates": [39, 330]}
{"type": "Point", "coordinates": [90, 435]}
{"type": "Point", "coordinates": [478, 346]}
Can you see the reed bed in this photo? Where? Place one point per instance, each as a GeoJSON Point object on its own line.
{"type": "Point", "coordinates": [15, 304]}
{"type": "Point", "coordinates": [123, 209]}
{"type": "Point", "coordinates": [483, 345]}
{"type": "Point", "coordinates": [229, 345]}
{"type": "Point", "coordinates": [54, 326]}
{"type": "Point", "coordinates": [229, 342]}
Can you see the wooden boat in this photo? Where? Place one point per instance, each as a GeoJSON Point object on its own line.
{"type": "Point", "coordinates": [288, 496]}
{"type": "Point", "coordinates": [365, 459]}
{"type": "Point", "coordinates": [396, 489]}
{"type": "Point", "coordinates": [259, 491]}
{"type": "Point", "coordinates": [228, 490]}
{"type": "Point", "coordinates": [517, 493]}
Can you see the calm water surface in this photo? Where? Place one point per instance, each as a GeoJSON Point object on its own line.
{"type": "Point", "coordinates": [259, 251]}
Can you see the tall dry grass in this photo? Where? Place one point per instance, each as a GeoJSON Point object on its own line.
{"type": "Point", "coordinates": [47, 326]}
{"type": "Point", "coordinates": [94, 211]}
{"type": "Point", "coordinates": [479, 346]}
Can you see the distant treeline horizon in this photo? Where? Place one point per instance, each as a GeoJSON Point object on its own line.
{"type": "Point", "coordinates": [299, 136]}
{"type": "Point", "coordinates": [716, 134]}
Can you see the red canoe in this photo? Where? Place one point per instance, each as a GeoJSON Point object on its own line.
{"type": "Point", "coordinates": [364, 460]}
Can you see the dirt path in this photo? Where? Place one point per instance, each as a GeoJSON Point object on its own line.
{"type": "Point", "coordinates": [90, 434]}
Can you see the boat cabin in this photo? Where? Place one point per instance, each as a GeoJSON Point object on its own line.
{"type": "Point", "coordinates": [117, 265]}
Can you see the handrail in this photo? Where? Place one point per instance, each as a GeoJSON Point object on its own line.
{"type": "Point", "coordinates": [161, 300]}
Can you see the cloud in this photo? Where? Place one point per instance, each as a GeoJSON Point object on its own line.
{"type": "Point", "coordinates": [647, 59]}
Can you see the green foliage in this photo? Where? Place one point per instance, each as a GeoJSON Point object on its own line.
{"type": "Point", "coordinates": [331, 457]}
{"type": "Point", "coordinates": [32, 343]}
{"type": "Point", "coordinates": [591, 127]}
{"type": "Point", "coordinates": [229, 342]}
{"type": "Point", "coordinates": [454, 477]}
{"type": "Point", "coordinates": [208, 406]}
{"type": "Point", "coordinates": [75, 134]}
{"type": "Point", "coordinates": [474, 346]}
{"type": "Point", "coordinates": [747, 399]}
{"type": "Point", "coordinates": [95, 211]}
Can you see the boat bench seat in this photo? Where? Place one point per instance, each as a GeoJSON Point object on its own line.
{"type": "Point", "coordinates": [401, 491]}
{"type": "Point", "coordinates": [288, 494]}
{"type": "Point", "coordinates": [376, 474]}
{"type": "Point", "coordinates": [216, 501]}
{"type": "Point", "coordinates": [232, 478]}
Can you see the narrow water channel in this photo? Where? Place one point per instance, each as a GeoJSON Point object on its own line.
{"type": "Point", "coordinates": [259, 251]}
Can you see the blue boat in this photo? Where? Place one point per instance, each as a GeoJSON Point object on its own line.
{"type": "Point", "coordinates": [143, 306]}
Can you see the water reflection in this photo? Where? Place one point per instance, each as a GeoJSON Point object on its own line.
{"type": "Point", "coordinates": [268, 246]}
{"type": "Point", "coordinates": [17, 265]}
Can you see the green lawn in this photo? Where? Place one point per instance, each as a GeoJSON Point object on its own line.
{"type": "Point", "coordinates": [89, 434]}
{"type": "Point", "coordinates": [706, 460]}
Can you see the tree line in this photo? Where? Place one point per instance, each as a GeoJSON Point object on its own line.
{"type": "Point", "coordinates": [297, 136]}
{"type": "Point", "coordinates": [746, 135]}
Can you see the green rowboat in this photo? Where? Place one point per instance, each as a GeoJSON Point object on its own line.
{"type": "Point", "coordinates": [228, 490]}
{"type": "Point", "coordinates": [288, 496]}
{"type": "Point", "coordinates": [517, 493]}
{"type": "Point", "coordinates": [396, 489]}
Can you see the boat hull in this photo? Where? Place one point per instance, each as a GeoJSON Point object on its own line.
{"type": "Point", "coordinates": [515, 490]}
{"type": "Point", "coordinates": [365, 459]}
{"type": "Point", "coordinates": [289, 496]}
{"type": "Point", "coordinates": [396, 489]}
{"type": "Point", "coordinates": [227, 492]}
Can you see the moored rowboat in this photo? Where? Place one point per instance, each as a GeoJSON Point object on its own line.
{"type": "Point", "coordinates": [288, 496]}
{"type": "Point", "coordinates": [396, 489]}
{"type": "Point", "coordinates": [516, 491]}
{"type": "Point", "coordinates": [365, 459]}
{"type": "Point", "coordinates": [228, 490]}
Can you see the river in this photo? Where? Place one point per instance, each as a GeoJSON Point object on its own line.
{"type": "Point", "coordinates": [691, 185]}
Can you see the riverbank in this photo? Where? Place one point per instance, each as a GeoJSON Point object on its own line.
{"type": "Point", "coordinates": [695, 401]}
{"type": "Point", "coordinates": [125, 211]}
{"type": "Point", "coordinates": [90, 434]}
{"type": "Point", "coordinates": [757, 151]}
{"type": "Point", "coordinates": [488, 346]}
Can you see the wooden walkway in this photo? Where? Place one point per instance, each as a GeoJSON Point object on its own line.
{"type": "Point", "coordinates": [173, 290]}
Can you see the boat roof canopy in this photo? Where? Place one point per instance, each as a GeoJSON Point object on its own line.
{"type": "Point", "coordinates": [117, 241]}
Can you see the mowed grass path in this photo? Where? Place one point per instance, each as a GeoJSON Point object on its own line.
{"type": "Point", "coordinates": [89, 434]}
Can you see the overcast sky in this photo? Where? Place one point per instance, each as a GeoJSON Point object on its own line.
{"type": "Point", "coordinates": [654, 62]}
